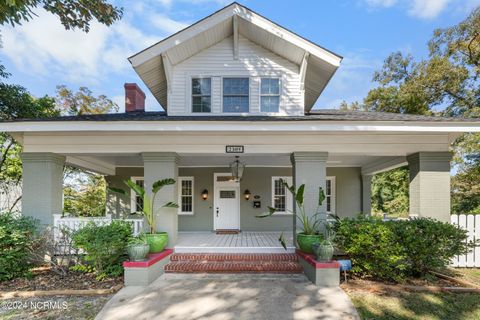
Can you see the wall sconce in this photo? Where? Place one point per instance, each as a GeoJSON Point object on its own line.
{"type": "Point", "coordinates": [205, 194]}
{"type": "Point", "coordinates": [247, 194]}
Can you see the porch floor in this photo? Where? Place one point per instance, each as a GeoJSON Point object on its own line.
{"type": "Point", "coordinates": [243, 242]}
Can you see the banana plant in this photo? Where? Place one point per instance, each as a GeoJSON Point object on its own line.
{"type": "Point", "coordinates": [148, 211]}
{"type": "Point", "coordinates": [310, 223]}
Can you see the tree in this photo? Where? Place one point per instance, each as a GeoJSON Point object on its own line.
{"type": "Point", "coordinates": [450, 79]}
{"type": "Point", "coordinates": [85, 195]}
{"type": "Point", "coordinates": [72, 13]}
{"type": "Point", "coordinates": [17, 103]}
{"type": "Point", "coordinates": [83, 102]}
{"type": "Point", "coordinates": [390, 192]}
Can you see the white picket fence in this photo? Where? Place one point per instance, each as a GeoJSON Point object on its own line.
{"type": "Point", "coordinates": [76, 223]}
{"type": "Point", "coordinates": [471, 223]}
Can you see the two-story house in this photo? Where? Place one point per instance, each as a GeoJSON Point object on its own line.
{"type": "Point", "coordinates": [238, 92]}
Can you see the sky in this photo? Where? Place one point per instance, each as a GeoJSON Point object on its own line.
{"type": "Point", "coordinates": [41, 54]}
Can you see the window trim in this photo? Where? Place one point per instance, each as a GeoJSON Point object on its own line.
{"type": "Point", "coordinates": [333, 197]}
{"type": "Point", "coordinates": [289, 199]}
{"type": "Point", "coordinates": [222, 95]}
{"type": "Point", "coordinates": [200, 95]}
{"type": "Point", "coordinates": [133, 195]}
{"type": "Point", "coordinates": [180, 180]}
{"type": "Point", "coordinates": [260, 95]}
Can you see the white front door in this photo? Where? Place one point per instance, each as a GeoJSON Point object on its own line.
{"type": "Point", "coordinates": [226, 211]}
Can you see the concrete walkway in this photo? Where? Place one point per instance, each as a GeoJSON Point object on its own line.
{"type": "Point", "coordinates": [229, 297]}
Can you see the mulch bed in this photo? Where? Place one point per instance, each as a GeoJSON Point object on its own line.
{"type": "Point", "coordinates": [45, 279]}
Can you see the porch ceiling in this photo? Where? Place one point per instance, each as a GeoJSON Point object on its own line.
{"type": "Point", "coordinates": [106, 164]}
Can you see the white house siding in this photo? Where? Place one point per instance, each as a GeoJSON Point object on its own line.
{"type": "Point", "coordinates": [253, 61]}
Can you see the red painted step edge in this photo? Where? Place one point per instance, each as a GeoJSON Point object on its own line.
{"type": "Point", "coordinates": [151, 260]}
{"type": "Point", "coordinates": [310, 259]}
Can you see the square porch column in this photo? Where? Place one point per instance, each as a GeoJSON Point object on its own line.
{"type": "Point", "coordinates": [42, 186]}
{"type": "Point", "coordinates": [310, 168]}
{"type": "Point", "coordinates": [159, 166]}
{"type": "Point", "coordinates": [430, 185]}
{"type": "Point", "coordinates": [367, 194]}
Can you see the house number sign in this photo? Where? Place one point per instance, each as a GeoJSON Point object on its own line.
{"type": "Point", "coordinates": [234, 149]}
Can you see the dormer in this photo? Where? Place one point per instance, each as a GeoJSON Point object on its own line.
{"type": "Point", "coordinates": [235, 62]}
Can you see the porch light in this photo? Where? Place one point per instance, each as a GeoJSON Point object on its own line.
{"type": "Point", "coordinates": [237, 169]}
{"type": "Point", "coordinates": [247, 194]}
{"type": "Point", "coordinates": [205, 194]}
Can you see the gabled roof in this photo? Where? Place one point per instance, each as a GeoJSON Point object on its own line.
{"type": "Point", "coordinates": [317, 64]}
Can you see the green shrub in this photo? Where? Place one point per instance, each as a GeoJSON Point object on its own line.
{"type": "Point", "coordinates": [372, 247]}
{"type": "Point", "coordinates": [17, 234]}
{"type": "Point", "coordinates": [429, 244]}
{"type": "Point", "coordinates": [394, 250]}
{"type": "Point", "coordinates": [104, 245]}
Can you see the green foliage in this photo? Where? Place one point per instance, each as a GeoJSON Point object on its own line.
{"type": "Point", "coordinates": [372, 247]}
{"type": "Point", "coordinates": [390, 192]}
{"type": "Point", "coordinates": [17, 235]}
{"type": "Point", "coordinates": [72, 13]}
{"type": "Point", "coordinates": [85, 196]}
{"type": "Point", "coordinates": [105, 245]}
{"type": "Point", "coordinates": [148, 205]}
{"type": "Point", "coordinates": [394, 250]}
{"type": "Point", "coordinates": [429, 244]}
{"type": "Point", "coordinates": [310, 222]}
{"type": "Point", "coordinates": [83, 102]}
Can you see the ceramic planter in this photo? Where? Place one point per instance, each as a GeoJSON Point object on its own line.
{"type": "Point", "coordinates": [323, 251]}
{"type": "Point", "coordinates": [138, 252]}
{"type": "Point", "coordinates": [305, 241]}
{"type": "Point", "coordinates": [157, 241]}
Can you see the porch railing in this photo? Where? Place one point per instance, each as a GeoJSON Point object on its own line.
{"type": "Point", "coordinates": [76, 223]}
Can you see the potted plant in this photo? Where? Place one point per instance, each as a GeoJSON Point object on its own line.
{"type": "Point", "coordinates": [156, 240]}
{"type": "Point", "coordinates": [324, 249]}
{"type": "Point", "coordinates": [138, 248]}
{"type": "Point", "coordinates": [309, 223]}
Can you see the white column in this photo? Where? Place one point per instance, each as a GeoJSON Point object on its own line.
{"type": "Point", "coordinates": [310, 168]}
{"type": "Point", "coordinates": [159, 166]}
{"type": "Point", "coordinates": [430, 185]}
{"type": "Point", "coordinates": [42, 186]}
{"type": "Point", "coordinates": [367, 194]}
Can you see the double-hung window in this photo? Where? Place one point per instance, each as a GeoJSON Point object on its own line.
{"type": "Point", "coordinates": [235, 95]}
{"type": "Point", "coordinates": [136, 202]}
{"type": "Point", "coordinates": [201, 95]}
{"type": "Point", "coordinates": [282, 199]}
{"type": "Point", "coordinates": [185, 194]}
{"type": "Point", "coordinates": [270, 95]}
{"type": "Point", "coordinates": [330, 195]}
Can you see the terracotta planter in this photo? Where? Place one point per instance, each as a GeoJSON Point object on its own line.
{"type": "Point", "coordinates": [138, 252]}
{"type": "Point", "coordinates": [157, 241]}
{"type": "Point", "coordinates": [323, 251]}
{"type": "Point", "coordinates": [305, 241]}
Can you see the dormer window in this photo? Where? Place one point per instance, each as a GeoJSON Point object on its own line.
{"type": "Point", "coordinates": [235, 95]}
{"type": "Point", "coordinates": [270, 95]}
{"type": "Point", "coordinates": [201, 94]}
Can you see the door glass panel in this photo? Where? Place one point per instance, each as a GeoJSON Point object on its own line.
{"type": "Point", "coordinates": [224, 178]}
{"type": "Point", "coordinates": [227, 194]}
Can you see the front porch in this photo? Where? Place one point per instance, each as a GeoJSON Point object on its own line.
{"type": "Point", "coordinates": [243, 242]}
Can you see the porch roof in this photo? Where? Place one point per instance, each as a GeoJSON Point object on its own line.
{"type": "Point", "coordinates": [315, 115]}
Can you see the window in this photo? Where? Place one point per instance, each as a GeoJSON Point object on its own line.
{"type": "Point", "coordinates": [201, 94]}
{"type": "Point", "coordinates": [270, 95]}
{"type": "Point", "coordinates": [136, 202]}
{"type": "Point", "coordinates": [185, 194]}
{"type": "Point", "coordinates": [235, 95]}
{"type": "Point", "coordinates": [330, 195]}
{"type": "Point", "coordinates": [281, 198]}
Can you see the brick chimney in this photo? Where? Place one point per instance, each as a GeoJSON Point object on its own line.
{"type": "Point", "coordinates": [134, 98]}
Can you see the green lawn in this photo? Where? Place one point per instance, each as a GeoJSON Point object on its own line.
{"type": "Point", "coordinates": [425, 306]}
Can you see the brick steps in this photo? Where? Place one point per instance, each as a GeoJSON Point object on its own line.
{"type": "Point", "coordinates": [233, 263]}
